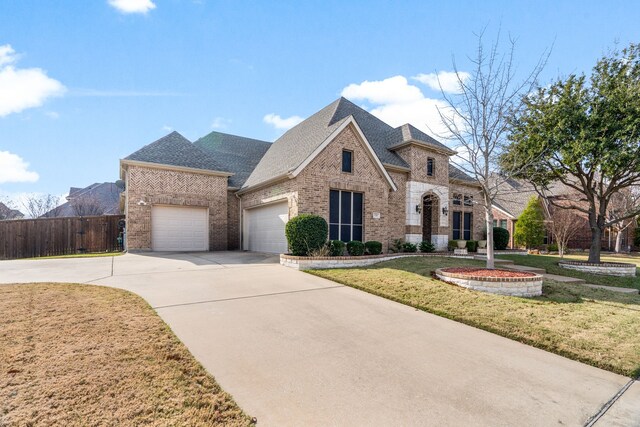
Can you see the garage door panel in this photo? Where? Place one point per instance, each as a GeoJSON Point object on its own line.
{"type": "Point", "coordinates": [264, 228]}
{"type": "Point", "coordinates": [177, 228]}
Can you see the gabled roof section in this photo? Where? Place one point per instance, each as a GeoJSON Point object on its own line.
{"type": "Point", "coordinates": [238, 154]}
{"type": "Point", "coordinates": [176, 150]}
{"type": "Point", "coordinates": [410, 133]}
{"type": "Point", "coordinates": [100, 198]}
{"type": "Point", "coordinates": [289, 151]}
{"type": "Point", "coordinates": [457, 174]}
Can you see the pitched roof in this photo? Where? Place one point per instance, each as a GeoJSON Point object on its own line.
{"type": "Point", "coordinates": [237, 154]}
{"type": "Point", "coordinates": [7, 213]}
{"type": "Point", "coordinates": [100, 198]}
{"type": "Point", "coordinates": [513, 195]}
{"type": "Point", "coordinates": [410, 133]}
{"type": "Point", "coordinates": [459, 175]}
{"type": "Point", "coordinates": [176, 150]}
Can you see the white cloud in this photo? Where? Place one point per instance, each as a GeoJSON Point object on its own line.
{"type": "Point", "coordinates": [394, 90]}
{"type": "Point", "coordinates": [52, 115]}
{"type": "Point", "coordinates": [397, 102]}
{"type": "Point", "coordinates": [220, 123]}
{"type": "Point", "coordinates": [22, 88]}
{"type": "Point", "coordinates": [447, 79]}
{"type": "Point", "coordinates": [133, 6]}
{"type": "Point", "coordinates": [281, 123]}
{"type": "Point", "coordinates": [14, 169]}
{"type": "Point", "coordinates": [167, 128]}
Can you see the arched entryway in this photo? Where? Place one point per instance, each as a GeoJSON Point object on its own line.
{"type": "Point", "coordinates": [430, 205]}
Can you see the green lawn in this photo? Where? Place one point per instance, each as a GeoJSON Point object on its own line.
{"type": "Point", "coordinates": [594, 326]}
{"type": "Point", "coordinates": [550, 263]}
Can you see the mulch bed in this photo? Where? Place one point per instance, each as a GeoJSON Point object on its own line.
{"type": "Point", "coordinates": [486, 272]}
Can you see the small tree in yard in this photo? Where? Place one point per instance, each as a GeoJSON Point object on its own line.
{"type": "Point", "coordinates": [86, 206]}
{"type": "Point", "coordinates": [562, 226]}
{"type": "Point", "coordinates": [530, 228]}
{"type": "Point", "coordinates": [622, 202]}
{"type": "Point", "coordinates": [37, 205]}
{"type": "Point", "coordinates": [476, 119]}
{"type": "Point", "coordinates": [586, 135]}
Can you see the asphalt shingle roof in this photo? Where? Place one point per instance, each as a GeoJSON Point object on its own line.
{"type": "Point", "coordinates": [104, 196]}
{"type": "Point", "coordinates": [176, 150]}
{"type": "Point", "coordinates": [236, 154]}
{"type": "Point", "coordinates": [459, 175]}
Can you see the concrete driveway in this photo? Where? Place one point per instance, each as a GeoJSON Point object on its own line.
{"type": "Point", "coordinates": [294, 349]}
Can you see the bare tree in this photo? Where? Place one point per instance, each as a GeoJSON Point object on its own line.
{"type": "Point", "coordinates": [622, 202]}
{"type": "Point", "coordinates": [477, 119]}
{"type": "Point", "coordinates": [38, 205]}
{"type": "Point", "coordinates": [562, 226]}
{"type": "Point", "coordinates": [86, 206]}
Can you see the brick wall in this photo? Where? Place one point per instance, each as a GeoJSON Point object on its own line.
{"type": "Point", "coordinates": [165, 187]}
{"type": "Point", "coordinates": [233, 221]}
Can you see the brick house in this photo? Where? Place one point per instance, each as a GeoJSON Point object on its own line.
{"type": "Point", "coordinates": [513, 198]}
{"type": "Point", "coordinates": [369, 180]}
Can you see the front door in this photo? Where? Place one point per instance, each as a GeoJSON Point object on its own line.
{"type": "Point", "coordinates": [429, 210]}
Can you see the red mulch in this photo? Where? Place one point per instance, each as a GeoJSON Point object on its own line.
{"type": "Point", "coordinates": [485, 272]}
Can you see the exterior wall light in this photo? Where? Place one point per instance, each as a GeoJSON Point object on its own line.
{"type": "Point", "coordinates": [418, 208]}
{"type": "Point", "coordinates": [445, 211]}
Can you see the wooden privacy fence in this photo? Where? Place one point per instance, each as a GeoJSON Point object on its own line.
{"type": "Point", "coordinates": [27, 238]}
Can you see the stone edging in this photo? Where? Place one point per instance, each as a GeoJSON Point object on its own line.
{"type": "Point", "coordinates": [511, 286]}
{"type": "Point", "coordinates": [318, 263]}
{"type": "Point", "coordinates": [607, 268]}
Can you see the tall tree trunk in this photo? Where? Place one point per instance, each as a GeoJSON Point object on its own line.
{"type": "Point", "coordinates": [596, 245]}
{"type": "Point", "coordinates": [489, 225]}
{"type": "Point", "coordinates": [619, 241]}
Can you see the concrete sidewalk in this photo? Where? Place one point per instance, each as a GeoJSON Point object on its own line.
{"type": "Point", "coordinates": [295, 349]}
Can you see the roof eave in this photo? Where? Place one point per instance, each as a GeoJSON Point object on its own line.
{"type": "Point", "coordinates": [447, 151]}
{"type": "Point", "coordinates": [162, 166]}
{"type": "Point", "coordinates": [265, 183]}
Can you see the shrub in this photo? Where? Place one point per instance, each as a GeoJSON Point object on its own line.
{"type": "Point", "coordinates": [426, 246]}
{"type": "Point", "coordinates": [530, 229]}
{"type": "Point", "coordinates": [306, 233]}
{"type": "Point", "coordinates": [355, 248]}
{"type": "Point", "coordinates": [409, 247]}
{"type": "Point", "coordinates": [453, 244]}
{"type": "Point", "coordinates": [373, 247]}
{"type": "Point", "coordinates": [553, 247]}
{"type": "Point", "coordinates": [396, 246]}
{"type": "Point", "coordinates": [636, 238]}
{"type": "Point", "coordinates": [500, 238]}
{"type": "Point", "coordinates": [336, 247]}
{"type": "Point", "coordinates": [472, 245]}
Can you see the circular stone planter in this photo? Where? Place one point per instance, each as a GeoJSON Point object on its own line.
{"type": "Point", "coordinates": [502, 282]}
{"type": "Point", "coordinates": [607, 268]}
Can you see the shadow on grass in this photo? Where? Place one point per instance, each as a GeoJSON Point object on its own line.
{"type": "Point", "coordinates": [552, 292]}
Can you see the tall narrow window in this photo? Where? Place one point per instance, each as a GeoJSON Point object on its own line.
{"type": "Point", "coordinates": [467, 226]}
{"type": "Point", "coordinates": [457, 199]}
{"type": "Point", "coordinates": [345, 215]}
{"type": "Point", "coordinates": [456, 220]}
{"type": "Point", "coordinates": [347, 161]}
{"type": "Point", "coordinates": [503, 223]}
{"type": "Point", "coordinates": [430, 166]}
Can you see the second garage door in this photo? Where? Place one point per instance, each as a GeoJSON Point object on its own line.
{"type": "Point", "coordinates": [179, 228]}
{"type": "Point", "coordinates": [264, 228]}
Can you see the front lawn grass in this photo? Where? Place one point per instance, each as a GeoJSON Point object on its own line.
{"type": "Point", "coordinates": [79, 355]}
{"type": "Point", "coordinates": [594, 326]}
{"type": "Point", "coordinates": [550, 263]}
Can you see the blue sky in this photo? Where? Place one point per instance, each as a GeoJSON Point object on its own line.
{"type": "Point", "coordinates": [85, 83]}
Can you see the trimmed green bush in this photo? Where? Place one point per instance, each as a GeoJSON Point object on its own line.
{"type": "Point", "coordinates": [553, 247]}
{"type": "Point", "coordinates": [336, 247]}
{"type": "Point", "coordinates": [426, 246]}
{"type": "Point", "coordinates": [500, 238]}
{"type": "Point", "coordinates": [306, 233]}
{"type": "Point", "coordinates": [355, 248]}
{"type": "Point", "coordinates": [373, 247]}
{"type": "Point", "coordinates": [472, 245]}
{"type": "Point", "coordinates": [409, 247]}
{"type": "Point", "coordinates": [453, 244]}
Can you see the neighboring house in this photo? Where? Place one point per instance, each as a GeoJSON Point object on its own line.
{"type": "Point", "coordinates": [513, 198]}
{"type": "Point", "coordinates": [8, 213]}
{"type": "Point", "coordinates": [96, 199]}
{"type": "Point", "coordinates": [370, 181]}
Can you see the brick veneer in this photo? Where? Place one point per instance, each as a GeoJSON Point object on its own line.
{"type": "Point", "coordinates": [147, 187]}
{"type": "Point", "coordinates": [233, 221]}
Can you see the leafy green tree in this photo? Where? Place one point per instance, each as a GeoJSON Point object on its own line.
{"type": "Point", "coordinates": [530, 229]}
{"type": "Point", "coordinates": [585, 134]}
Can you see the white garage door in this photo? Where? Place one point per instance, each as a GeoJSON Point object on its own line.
{"type": "Point", "coordinates": [178, 228]}
{"type": "Point", "coordinates": [264, 228]}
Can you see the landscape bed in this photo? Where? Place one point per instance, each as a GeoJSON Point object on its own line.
{"type": "Point", "coordinates": [495, 281]}
{"type": "Point", "coordinates": [605, 268]}
{"type": "Point", "coordinates": [92, 355]}
{"type": "Point", "coordinates": [593, 326]}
